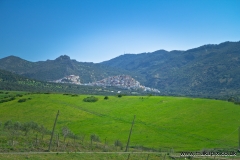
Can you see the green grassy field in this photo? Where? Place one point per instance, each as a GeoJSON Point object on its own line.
{"type": "Point", "coordinates": [102, 156]}
{"type": "Point", "coordinates": [183, 124]}
{"type": "Point", "coordinates": [86, 156]}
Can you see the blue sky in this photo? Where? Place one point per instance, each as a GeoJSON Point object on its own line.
{"type": "Point", "coordinates": [98, 30]}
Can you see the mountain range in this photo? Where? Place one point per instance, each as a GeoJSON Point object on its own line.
{"type": "Point", "coordinates": [207, 71]}
{"type": "Point", "coordinates": [62, 66]}
{"type": "Point", "coordinates": [210, 70]}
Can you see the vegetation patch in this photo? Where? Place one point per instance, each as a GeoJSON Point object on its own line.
{"type": "Point", "coordinates": [22, 100]}
{"type": "Point", "coordinates": [106, 97]}
{"type": "Point", "coordinates": [90, 99]}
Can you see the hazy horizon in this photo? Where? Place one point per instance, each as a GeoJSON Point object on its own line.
{"type": "Point", "coordinates": [113, 57]}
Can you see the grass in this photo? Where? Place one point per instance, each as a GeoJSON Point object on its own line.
{"type": "Point", "coordinates": [162, 123]}
{"type": "Point", "coordinates": [85, 156]}
{"type": "Point", "coordinates": [104, 156]}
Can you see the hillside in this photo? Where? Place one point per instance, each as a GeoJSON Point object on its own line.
{"type": "Point", "coordinates": [179, 123]}
{"type": "Point", "coordinates": [209, 70]}
{"type": "Point", "coordinates": [62, 66]}
{"type": "Point", "coordinates": [13, 82]}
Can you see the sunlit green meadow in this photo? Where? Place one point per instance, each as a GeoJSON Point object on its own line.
{"type": "Point", "coordinates": [179, 123]}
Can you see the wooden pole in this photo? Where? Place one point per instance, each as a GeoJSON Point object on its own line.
{"type": "Point", "coordinates": [50, 143]}
{"type": "Point", "coordinates": [128, 156]}
{"type": "Point", "coordinates": [147, 156]}
{"type": "Point", "coordinates": [239, 138]}
{"type": "Point", "coordinates": [130, 134]}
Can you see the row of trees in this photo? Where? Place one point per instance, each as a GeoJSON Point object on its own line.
{"type": "Point", "coordinates": [17, 129]}
{"type": "Point", "coordinates": [30, 136]}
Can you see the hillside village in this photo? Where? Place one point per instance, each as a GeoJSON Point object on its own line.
{"type": "Point", "coordinates": [121, 81]}
{"type": "Point", "coordinates": [69, 79]}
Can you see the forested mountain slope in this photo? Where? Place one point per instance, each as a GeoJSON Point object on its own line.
{"type": "Point", "coordinates": [60, 67]}
{"type": "Point", "coordinates": [207, 70]}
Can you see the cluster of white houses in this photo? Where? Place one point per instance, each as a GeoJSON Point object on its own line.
{"type": "Point", "coordinates": [121, 81]}
{"type": "Point", "coordinates": [69, 79]}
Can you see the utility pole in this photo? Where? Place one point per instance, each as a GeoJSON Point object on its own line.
{"type": "Point", "coordinates": [130, 134]}
{"type": "Point", "coordinates": [50, 143]}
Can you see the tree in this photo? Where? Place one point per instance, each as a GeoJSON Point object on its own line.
{"type": "Point", "coordinates": [118, 143]}
{"type": "Point", "coordinates": [8, 125]}
{"type": "Point", "coordinates": [17, 126]}
{"type": "Point", "coordinates": [41, 129]}
{"type": "Point", "coordinates": [65, 132]}
{"type": "Point", "coordinates": [94, 138]}
{"type": "Point", "coordinates": [26, 127]}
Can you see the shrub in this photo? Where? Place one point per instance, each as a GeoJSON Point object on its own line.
{"type": "Point", "coordinates": [238, 103]}
{"type": "Point", "coordinates": [8, 125]}
{"type": "Point", "coordinates": [12, 98]}
{"type": "Point", "coordinates": [119, 95]}
{"type": "Point", "coordinates": [19, 95]}
{"type": "Point", "coordinates": [90, 99]}
{"type": "Point", "coordinates": [106, 97]}
{"type": "Point", "coordinates": [118, 143]}
{"type": "Point", "coordinates": [231, 99]}
{"type": "Point", "coordinates": [22, 100]}
{"type": "Point", "coordinates": [95, 138]}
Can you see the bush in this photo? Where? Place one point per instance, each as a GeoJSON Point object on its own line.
{"type": "Point", "coordinates": [119, 95]}
{"type": "Point", "coordinates": [7, 100]}
{"type": "Point", "coordinates": [2, 101]}
{"type": "Point", "coordinates": [22, 100]}
{"type": "Point", "coordinates": [95, 138]}
{"type": "Point", "coordinates": [106, 97]}
{"type": "Point", "coordinates": [231, 99]}
{"type": "Point", "coordinates": [90, 99]}
{"type": "Point", "coordinates": [12, 98]}
{"type": "Point", "coordinates": [118, 143]}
